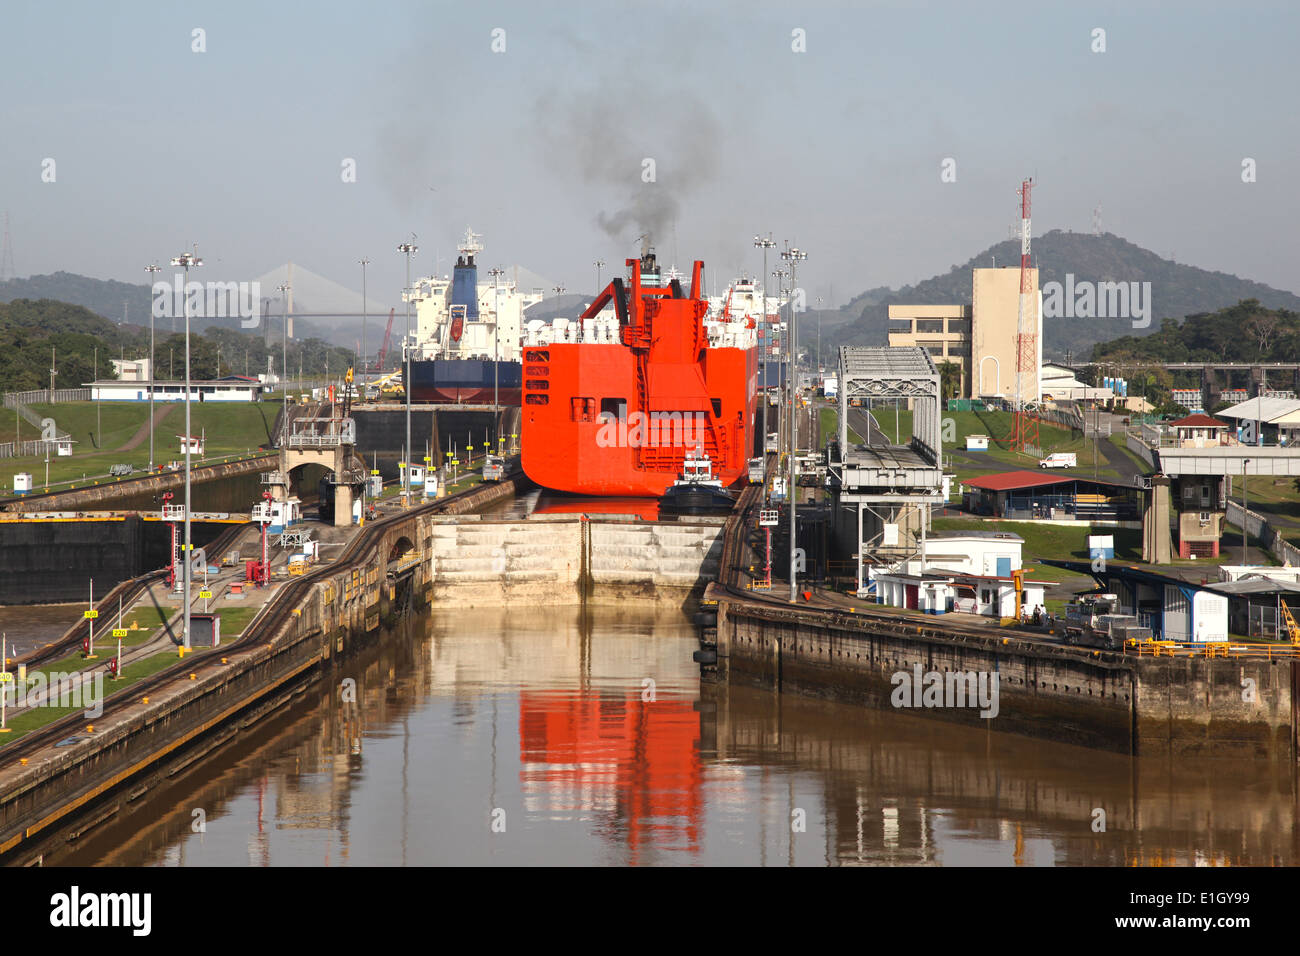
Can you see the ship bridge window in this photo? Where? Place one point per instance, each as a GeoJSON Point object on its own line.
{"type": "Point", "coordinates": [613, 409]}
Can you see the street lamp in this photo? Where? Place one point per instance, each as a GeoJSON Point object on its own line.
{"type": "Point", "coordinates": [794, 256]}
{"type": "Point", "coordinates": [187, 261]}
{"type": "Point", "coordinates": [779, 275]}
{"type": "Point", "coordinates": [283, 289]}
{"type": "Point", "coordinates": [364, 262]}
{"type": "Point", "coordinates": [151, 269]}
{"type": "Point", "coordinates": [765, 244]}
{"type": "Point", "coordinates": [410, 248]}
{"type": "Point", "coordinates": [496, 274]}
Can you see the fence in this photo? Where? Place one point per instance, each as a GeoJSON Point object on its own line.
{"type": "Point", "coordinates": [45, 396]}
{"type": "Point", "coordinates": [1140, 448]}
{"type": "Point", "coordinates": [1258, 526]}
{"type": "Point", "coordinates": [24, 449]}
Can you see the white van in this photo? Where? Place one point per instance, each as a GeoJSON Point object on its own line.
{"type": "Point", "coordinates": [1060, 459]}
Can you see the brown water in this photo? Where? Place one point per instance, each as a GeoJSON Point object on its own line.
{"type": "Point", "coordinates": [544, 724]}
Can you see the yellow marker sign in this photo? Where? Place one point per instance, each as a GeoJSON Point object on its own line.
{"type": "Point", "coordinates": [427, 458]}
{"type": "Point", "coordinates": [120, 632]}
{"type": "Point", "coordinates": [90, 615]}
{"type": "Point", "coordinates": [374, 472]}
{"type": "Point", "coordinates": [206, 595]}
{"type": "Point", "coordinates": [6, 678]}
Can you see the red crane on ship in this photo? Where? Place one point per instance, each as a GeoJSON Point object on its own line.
{"type": "Point", "coordinates": [383, 349]}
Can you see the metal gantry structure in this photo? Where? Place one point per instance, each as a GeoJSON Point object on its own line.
{"type": "Point", "coordinates": [894, 484]}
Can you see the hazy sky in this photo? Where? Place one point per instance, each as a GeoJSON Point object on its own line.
{"type": "Point", "coordinates": [540, 147]}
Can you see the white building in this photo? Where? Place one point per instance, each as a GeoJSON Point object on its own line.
{"type": "Point", "coordinates": [132, 370]}
{"type": "Point", "coordinates": [1059, 383]}
{"type": "Point", "coordinates": [222, 390]}
{"type": "Point", "coordinates": [969, 571]}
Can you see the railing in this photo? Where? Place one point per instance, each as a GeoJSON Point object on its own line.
{"type": "Point", "coordinates": [47, 397]}
{"type": "Point", "coordinates": [1257, 525]}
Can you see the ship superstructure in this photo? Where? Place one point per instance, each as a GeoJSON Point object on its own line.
{"type": "Point", "coordinates": [614, 399]}
{"type": "Point", "coordinates": [467, 335]}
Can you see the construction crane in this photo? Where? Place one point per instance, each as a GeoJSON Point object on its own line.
{"type": "Point", "coordinates": [1292, 628]}
{"type": "Point", "coordinates": [383, 349]}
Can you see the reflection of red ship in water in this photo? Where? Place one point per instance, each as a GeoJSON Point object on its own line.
{"type": "Point", "coordinates": [636, 763]}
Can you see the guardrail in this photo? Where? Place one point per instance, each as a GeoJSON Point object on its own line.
{"type": "Point", "coordinates": [1257, 525]}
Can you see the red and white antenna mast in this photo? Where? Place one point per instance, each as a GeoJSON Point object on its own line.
{"type": "Point", "coordinates": [1026, 428]}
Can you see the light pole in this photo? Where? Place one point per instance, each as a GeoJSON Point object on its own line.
{"type": "Point", "coordinates": [598, 264]}
{"type": "Point", "coordinates": [99, 425]}
{"type": "Point", "coordinates": [283, 289]}
{"type": "Point", "coordinates": [1244, 509]}
{"type": "Point", "coordinates": [410, 248]}
{"type": "Point", "coordinates": [365, 261]}
{"type": "Point", "coordinates": [794, 256]}
{"type": "Point", "coordinates": [151, 269]}
{"type": "Point", "coordinates": [186, 261]}
{"type": "Point", "coordinates": [766, 332]}
{"type": "Point", "coordinates": [496, 274]}
{"type": "Point", "coordinates": [779, 275]}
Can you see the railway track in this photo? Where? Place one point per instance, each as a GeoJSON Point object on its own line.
{"type": "Point", "coordinates": [127, 591]}
{"type": "Point", "coordinates": [276, 611]}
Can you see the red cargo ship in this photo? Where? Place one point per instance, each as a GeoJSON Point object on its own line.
{"type": "Point", "coordinates": [617, 417]}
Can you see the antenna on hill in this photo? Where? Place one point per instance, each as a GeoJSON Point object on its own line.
{"type": "Point", "coordinates": [7, 270]}
{"type": "Point", "coordinates": [1096, 220]}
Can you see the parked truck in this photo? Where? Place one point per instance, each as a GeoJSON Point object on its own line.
{"type": "Point", "coordinates": [1098, 620]}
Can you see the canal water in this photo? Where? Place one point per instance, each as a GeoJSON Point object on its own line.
{"type": "Point", "coordinates": [562, 739]}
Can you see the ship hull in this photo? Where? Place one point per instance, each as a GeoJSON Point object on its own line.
{"type": "Point", "coordinates": [466, 382]}
{"type": "Point", "coordinates": [586, 431]}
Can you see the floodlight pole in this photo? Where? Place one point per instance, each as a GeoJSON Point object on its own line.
{"type": "Point", "coordinates": [410, 248]}
{"type": "Point", "coordinates": [766, 332]}
{"type": "Point", "coordinates": [794, 256]}
{"type": "Point", "coordinates": [151, 269]}
{"type": "Point", "coordinates": [186, 261]}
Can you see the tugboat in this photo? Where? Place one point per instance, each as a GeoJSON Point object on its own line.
{"type": "Point", "coordinates": [696, 492]}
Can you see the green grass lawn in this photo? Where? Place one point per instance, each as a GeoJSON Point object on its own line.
{"type": "Point", "coordinates": [1061, 542]}
{"type": "Point", "coordinates": [235, 619]}
{"type": "Point", "coordinates": [230, 428]}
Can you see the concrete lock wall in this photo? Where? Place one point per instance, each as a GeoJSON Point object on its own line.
{"type": "Point", "coordinates": [566, 561]}
{"type": "Point", "coordinates": [1147, 706]}
{"type": "Point", "coordinates": [49, 561]}
{"type": "Point", "coordinates": [662, 562]}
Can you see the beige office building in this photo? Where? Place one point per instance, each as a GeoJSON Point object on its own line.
{"type": "Point", "coordinates": [942, 330]}
{"type": "Point", "coordinates": [981, 337]}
